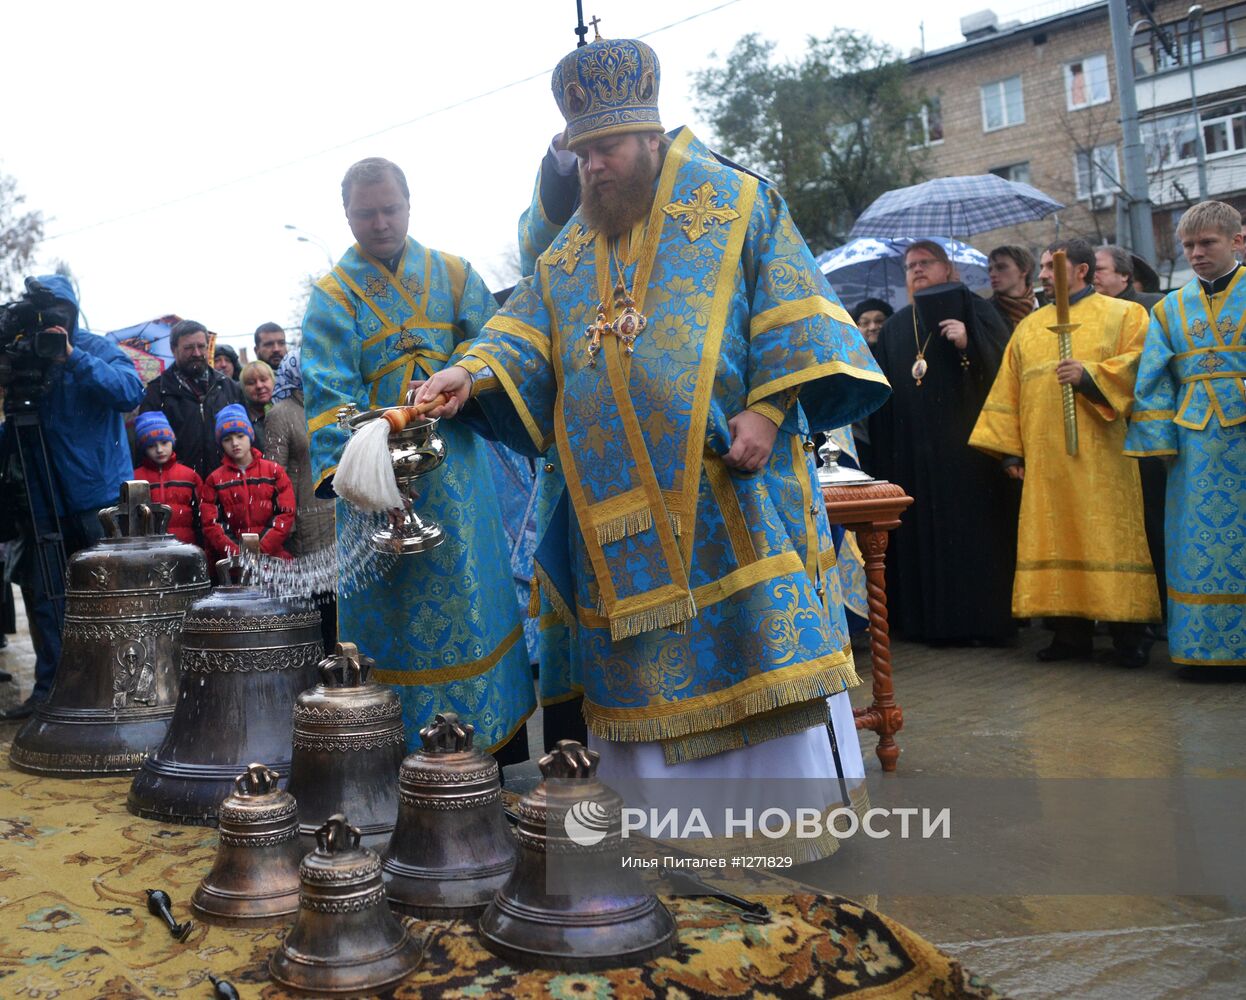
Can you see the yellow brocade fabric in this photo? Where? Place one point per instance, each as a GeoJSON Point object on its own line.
{"type": "Point", "coordinates": [1081, 546]}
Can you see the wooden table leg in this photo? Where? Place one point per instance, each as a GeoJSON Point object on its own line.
{"type": "Point", "coordinates": [884, 716]}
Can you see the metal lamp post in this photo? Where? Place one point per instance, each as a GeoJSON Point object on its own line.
{"type": "Point", "coordinates": [1195, 16]}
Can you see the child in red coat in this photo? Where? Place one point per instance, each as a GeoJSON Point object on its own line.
{"type": "Point", "coordinates": [246, 493]}
{"type": "Point", "coordinates": [171, 482]}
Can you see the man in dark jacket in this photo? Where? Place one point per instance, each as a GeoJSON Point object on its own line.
{"type": "Point", "coordinates": [1114, 277]}
{"type": "Point", "coordinates": [82, 418]}
{"type": "Point", "coordinates": [191, 394]}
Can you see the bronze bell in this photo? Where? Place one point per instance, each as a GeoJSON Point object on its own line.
{"type": "Point", "coordinates": [345, 939]}
{"type": "Point", "coordinates": [605, 919]}
{"type": "Point", "coordinates": [117, 677]}
{"type": "Point", "coordinates": [256, 872]}
{"type": "Point", "coordinates": [348, 746]}
{"type": "Point", "coordinates": [452, 848]}
{"type": "Point", "coordinates": [245, 658]}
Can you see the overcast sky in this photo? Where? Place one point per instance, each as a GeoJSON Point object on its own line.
{"type": "Point", "coordinates": [168, 144]}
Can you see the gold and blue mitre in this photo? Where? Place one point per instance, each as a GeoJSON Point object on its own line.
{"type": "Point", "coordinates": [607, 87]}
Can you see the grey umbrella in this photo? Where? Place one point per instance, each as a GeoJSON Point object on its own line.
{"type": "Point", "coordinates": [954, 206]}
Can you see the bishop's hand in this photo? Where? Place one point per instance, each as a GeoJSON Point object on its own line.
{"type": "Point", "coordinates": [454, 381]}
{"type": "Point", "coordinates": [752, 438]}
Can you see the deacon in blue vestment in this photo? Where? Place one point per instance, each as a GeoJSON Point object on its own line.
{"type": "Point", "coordinates": [443, 626]}
{"type": "Point", "coordinates": [1191, 408]}
{"type": "Point", "coordinates": [678, 345]}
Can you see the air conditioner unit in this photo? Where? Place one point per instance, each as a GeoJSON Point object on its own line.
{"type": "Point", "coordinates": [1098, 202]}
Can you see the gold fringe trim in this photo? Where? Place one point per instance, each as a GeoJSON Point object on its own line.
{"type": "Point", "coordinates": [668, 615]}
{"type": "Point", "coordinates": [821, 683]}
{"type": "Point", "coordinates": [677, 522]}
{"type": "Point", "coordinates": [557, 604]}
{"type": "Point", "coordinates": [534, 598]}
{"type": "Point", "coordinates": [786, 721]}
{"type": "Point", "coordinates": [618, 528]}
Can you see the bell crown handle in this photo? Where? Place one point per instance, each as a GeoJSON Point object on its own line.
{"type": "Point", "coordinates": [446, 734]}
{"type": "Point", "coordinates": [346, 667]}
{"type": "Point", "coordinates": [108, 519]}
{"type": "Point", "coordinates": [337, 835]}
{"type": "Point", "coordinates": [258, 779]}
{"type": "Point", "coordinates": [161, 515]}
{"type": "Point", "coordinates": [569, 759]}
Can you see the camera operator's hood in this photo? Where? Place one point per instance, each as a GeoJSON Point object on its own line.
{"type": "Point", "coordinates": [63, 289]}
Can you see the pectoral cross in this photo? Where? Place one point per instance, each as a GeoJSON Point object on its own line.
{"type": "Point", "coordinates": [594, 333]}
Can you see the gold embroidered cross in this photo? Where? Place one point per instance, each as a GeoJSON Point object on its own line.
{"type": "Point", "coordinates": [1225, 325]}
{"type": "Point", "coordinates": [699, 212]}
{"type": "Point", "coordinates": [407, 342]}
{"type": "Point", "coordinates": [1211, 363]}
{"type": "Point", "coordinates": [1199, 327]}
{"type": "Point", "coordinates": [567, 256]}
{"type": "Point", "coordinates": [375, 287]}
{"type": "Point", "coordinates": [412, 284]}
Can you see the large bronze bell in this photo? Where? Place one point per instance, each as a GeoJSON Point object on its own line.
{"type": "Point", "coordinates": [348, 746]}
{"type": "Point", "coordinates": [605, 919]}
{"type": "Point", "coordinates": [255, 876]}
{"type": "Point", "coordinates": [245, 658]}
{"type": "Point", "coordinates": [117, 677]}
{"type": "Point", "coordinates": [452, 848]}
{"type": "Point", "coordinates": [345, 939]}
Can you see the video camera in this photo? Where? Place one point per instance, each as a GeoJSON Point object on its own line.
{"type": "Point", "coordinates": [28, 345]}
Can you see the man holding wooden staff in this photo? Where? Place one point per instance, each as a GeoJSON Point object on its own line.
{"type": "Point", "coordinates": [1081, 548]}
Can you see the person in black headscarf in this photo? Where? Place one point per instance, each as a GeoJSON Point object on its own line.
{"type": "Point", "coordinates": [950, 563]}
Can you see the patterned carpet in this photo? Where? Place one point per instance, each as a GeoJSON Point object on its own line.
{"type": "Point", "coordinates": [74, 924]}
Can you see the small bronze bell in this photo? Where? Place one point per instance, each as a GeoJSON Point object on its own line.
{"type": "Point", "coordinates": [116, 680]}
{"type": "Point", "coordinates": [609, 920]}
{"type": "Point", "coordinates": [345, 939]}
{"type": "Point", "coordinates": [348, 746]}
{"type": "Point", "coordinates": [256, 872]}
{"type": "Point", "coordinates": [245, 658]}
{"type": "Point", "coordinates": [452, 848]}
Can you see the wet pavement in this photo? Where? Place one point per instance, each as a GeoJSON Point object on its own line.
{"type": "Point", "coordinates": [999, 713]}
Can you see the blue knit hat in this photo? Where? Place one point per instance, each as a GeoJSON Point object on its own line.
{"type": "Point", "coordinates": [152, 428]}
{"type": "Point", "coordinates": [232, 419]}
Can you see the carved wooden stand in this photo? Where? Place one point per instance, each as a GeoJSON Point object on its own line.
{"type": "Point", "coordinates": [871, 510]}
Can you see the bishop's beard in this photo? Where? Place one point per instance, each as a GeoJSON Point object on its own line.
{"type": "Point", "coordinates": [613, 208]}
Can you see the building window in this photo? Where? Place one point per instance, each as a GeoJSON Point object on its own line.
{"type": "Point", "coordinates": [1019, 172]}
{"type": "Point", "coordinates": [1097, 172]}
{"type": "Point", "coordinates": [1002, 104]}
{"type": "Point", "coordinates": [926, 127]}
{"type": "Point", "coordinates": [1217, 33]}
{"type": "Point", "coordinates": [1086, 82]}
{"type": "Point", "coordinates": [1170, 141]}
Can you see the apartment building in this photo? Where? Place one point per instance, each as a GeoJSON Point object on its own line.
{"type": "Point", "coordinates": [1036, 100]}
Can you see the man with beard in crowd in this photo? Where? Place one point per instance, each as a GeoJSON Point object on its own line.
{"type": "Point", "coordinates": [679, 345]}
{"type": "Point", "coordinates": [270, 344]}
{"type": "Point", "coordinates": [191, 394]}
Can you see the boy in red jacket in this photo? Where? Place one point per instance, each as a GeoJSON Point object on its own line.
{"type": "Point", "coordinates": [171, 482]}
{"type": "Point", "coordinates": [246, 493]}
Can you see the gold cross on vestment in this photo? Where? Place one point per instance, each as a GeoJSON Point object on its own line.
{"type": "Point", "coordinates": [1199, 327]}
{"type": "Point", "coordinates": [567, 256]}
{"type": "Point", "coordinates": [375, 287]}
{"type": "Point", "coordinates": [1211, 363]}
{"type": "Point", "coordinates": [699, 212]}
{"type": "Point", "coordinates": [406, 343]}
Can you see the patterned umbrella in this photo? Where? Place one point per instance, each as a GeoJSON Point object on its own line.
{"type": "Point", "coordinates": [958, 206]}
{"type": "Point", "coordinates": [869, 268]}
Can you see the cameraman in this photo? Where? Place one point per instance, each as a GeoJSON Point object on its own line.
{"type": "Point", "coordinates": [81, 405]}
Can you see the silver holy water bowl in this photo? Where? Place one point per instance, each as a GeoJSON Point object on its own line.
{"type": "Point", "coordinates": [414, 452]}
{"type": "Point", "coordinates": [834, 474]}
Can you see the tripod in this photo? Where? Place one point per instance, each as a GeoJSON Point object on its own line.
{"type": "Point", "coordinates": [25, 441]}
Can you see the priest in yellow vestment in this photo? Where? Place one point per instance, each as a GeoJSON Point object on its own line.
{"type": "Point", "coordinates": [1081, 547]}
